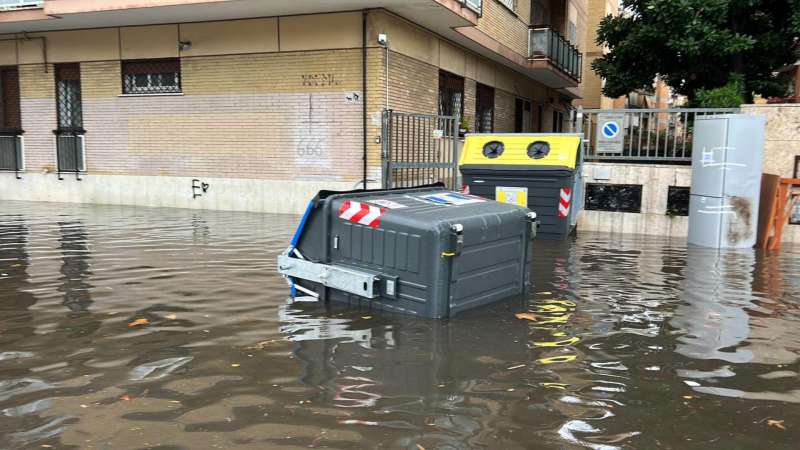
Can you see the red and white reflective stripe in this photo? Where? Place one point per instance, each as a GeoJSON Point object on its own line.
{"type": "Point", "coordinates": [565, 199]}
{"type": "Point", "coordinates": [361, 213]}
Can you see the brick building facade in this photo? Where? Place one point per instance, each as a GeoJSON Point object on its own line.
{"type": "Point", "coordinates": [266, 110]}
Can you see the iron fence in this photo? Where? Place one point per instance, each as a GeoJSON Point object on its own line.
{"type": "Point", "coordinates": [648, 135]}
{"type": "Point", "coordinates": [11, 152]}
{"type": "Point", "coordinates": [70, 152]}
{"type": "Point", "coordinates": [419, 149]}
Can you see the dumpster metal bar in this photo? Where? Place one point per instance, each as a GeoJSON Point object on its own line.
{"type": "Point", "coordinates": [347, 280]}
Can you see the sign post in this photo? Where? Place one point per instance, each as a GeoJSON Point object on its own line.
{"type": "Point", "coordinates": [610, 133]}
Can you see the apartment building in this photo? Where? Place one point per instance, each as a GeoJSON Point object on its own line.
{"type": "Point", "coordinates": [256, 105]}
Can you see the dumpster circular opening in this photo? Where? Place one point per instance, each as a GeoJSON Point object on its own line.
{"type": "Point", "coordinates": [493, 149]}
{"type": "Point", "coordinates": [538, 149]}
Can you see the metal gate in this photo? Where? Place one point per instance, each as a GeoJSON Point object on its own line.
{"type": "Point", "coordinates": [419, 149]}
{"type": "Point", "coordinates": [645, 135]}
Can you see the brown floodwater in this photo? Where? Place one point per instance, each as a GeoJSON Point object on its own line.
{"type": "Point", "coordinates": [125, 327]}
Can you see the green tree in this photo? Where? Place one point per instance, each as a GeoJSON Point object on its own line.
{"type": "Point", "coordinates": [696, 45]}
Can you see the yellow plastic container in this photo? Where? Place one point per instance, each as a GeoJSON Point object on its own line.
{"type": "Point", "coordinates": [562, 150]}
{"type": "Point", "coordinates": [537, 171]}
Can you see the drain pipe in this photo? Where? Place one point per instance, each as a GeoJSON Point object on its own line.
{"type": "Point", "coordinates": [364, 91]}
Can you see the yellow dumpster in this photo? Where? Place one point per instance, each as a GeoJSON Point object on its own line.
{"type": "Point", "coordinates": [538, 171]}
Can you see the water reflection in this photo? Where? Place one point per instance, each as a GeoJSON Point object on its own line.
{"type": "Point", "coordinates": [137, 328]}
{"type": "Point", "coordinates": [75, 268]}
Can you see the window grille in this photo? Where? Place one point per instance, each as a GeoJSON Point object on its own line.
{"type": "Point", "coordinates": [69, 111]}
{"type": "Point", "coordinates": [613, 197]}
{"type": "Point", "coordinates": [484, 109]}
{"type": "Point", "coordinates": [678, 200]}
{"type": "Point", "coordinates": [68, 97]}
{"type": "Point", "coordinates": [451, 94]}
{"type": "Point", "coordinates": [154, 76]}
{"type": "Point", "coordinates": [9, 99]}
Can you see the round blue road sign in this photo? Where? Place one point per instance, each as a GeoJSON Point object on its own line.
{"type": "Point", "coordinates": [610, 130]}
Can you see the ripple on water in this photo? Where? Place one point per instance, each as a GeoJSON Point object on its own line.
{"type": "Point", "coordinates": [638, 343]}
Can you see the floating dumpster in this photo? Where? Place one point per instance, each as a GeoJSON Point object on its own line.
{"type": "Point", "coordinates": [537, 171]}
{"type": "Point", "coordinates": [424, 251]}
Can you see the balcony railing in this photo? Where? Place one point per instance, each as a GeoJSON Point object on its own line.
{"type": "Point", "coordinates": [475, 5]}
{"type": "Point", "coordinates": [546, 43]}
{"type": "Point", "coordinates": [7, 5]}
{"type": "Point", "coordinates": [12, 151]}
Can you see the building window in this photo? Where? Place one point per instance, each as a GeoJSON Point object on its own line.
{"type": "Point", "coordinates": [69, 112]}
{"type": "Point", "coordinates": [678, 201]}
{"type": "Point", "coordinates": [68, 97]}
{"type": "Point", "coordinates": [523, 116]}
{"type": "Point", "coordinates": [558, 121]}
{"type": "Point", "coordinates": [451, 94]}
{"type": "Point", "coordinates": [152, 76]}
{"type": "Point", "coordinates": [614, 197]}
{"type": "Point", "coordinates": [9, 99]}
{"type": "Point", "coordinates": [540, 14]}
{"type": "Point", "coordinates": [572, 33]}
{"type": "Point", "coordinates": [510, 4]}
{"type": "Point", "coordinates": [11, 154]}
{"type": "Point", "coordinates": [484, 109]}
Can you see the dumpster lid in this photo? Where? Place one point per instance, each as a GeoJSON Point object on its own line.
{"type": "Point", "coordinates": [518, 149]}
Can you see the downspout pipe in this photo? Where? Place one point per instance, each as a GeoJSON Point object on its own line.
{"type": "Point", "coordinates": [364, 92]}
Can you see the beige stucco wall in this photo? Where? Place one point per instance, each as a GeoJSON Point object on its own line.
{"type": "Point", "coordinates": [655, 181]}
{"type": "Point", "coordinates": [230, 37]}
{"type": "Point", "coordinates": [782, 136]}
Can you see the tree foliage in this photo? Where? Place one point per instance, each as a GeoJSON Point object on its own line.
{"type": "Point", "coordinates": [698, 44]}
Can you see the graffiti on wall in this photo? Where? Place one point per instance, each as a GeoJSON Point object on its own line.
{"type": "Point", "coordinates": [319, 79]}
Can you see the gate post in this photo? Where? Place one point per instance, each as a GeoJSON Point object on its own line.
{"type": "Point", "coordinates": [386, 148]}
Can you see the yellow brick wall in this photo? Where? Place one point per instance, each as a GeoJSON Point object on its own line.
{"type": "Point", "coordinates": [505, 26]}
{"type": "Point", "coordinates": [101, 79]}
{"type": "Point", "coordinates": [504, 109]}
{"type": "Point", "coordinates": [36, 81]}
{"type": "Point", "coordinates": [470, 93]}
{"type": "Point", "coordinates": [315, 71]}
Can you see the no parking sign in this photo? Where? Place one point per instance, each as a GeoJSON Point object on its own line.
{"type": "Point", "coordinates": [610, 132]}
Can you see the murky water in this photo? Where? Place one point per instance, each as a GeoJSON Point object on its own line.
{"type": "Point", "coordinates": [127, 327]}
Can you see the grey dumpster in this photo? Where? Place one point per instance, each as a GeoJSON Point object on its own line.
{"type": "Point", "coordinates": [423, 251]}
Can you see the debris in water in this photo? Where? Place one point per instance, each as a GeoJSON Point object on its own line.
{"type": "Point", "coordinates": [172, 317]}
{"type": "Point", "coordinates": [366, 317]}
{"type": "Point", "coordinates": [126, 397]}
{"type": "Point", "coordinates": [544, 293]}
{"type": "Point", "coordinates": [526, 316]}
{"type": "Point", "coordinates": [515, 367]}
{"type": "Point", "coordinates": [235, 365]}
{"type": "Point", "coordinates": [776, 423]}
{"type": "Point", "coordinates": [139, 322]}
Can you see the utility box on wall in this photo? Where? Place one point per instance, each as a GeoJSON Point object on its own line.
{"type": "Point", "coordinates": [727, 154]}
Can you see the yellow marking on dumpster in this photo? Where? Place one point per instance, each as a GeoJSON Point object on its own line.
{"type": "Point", "coordinates": [563, 150]}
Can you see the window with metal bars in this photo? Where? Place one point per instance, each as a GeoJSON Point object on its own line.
{"type": "Point", "coordinates": [151, 76]}
{"type": "Point", "coordinates": [451, 94]}
{"type": "Point", "coordinates": [11, 157]}
{"type": "Point", "coordinates": [68, 97]}
{"type": "Point", "coordinates": [484, 109]}
{"type": "Point", "coordinates": [10, 118]}
{"type": "Point", "coordinates": [69, 111]}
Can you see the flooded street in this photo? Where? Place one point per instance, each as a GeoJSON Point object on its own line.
{"type": "Point", "coordinates": [124, 327]}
